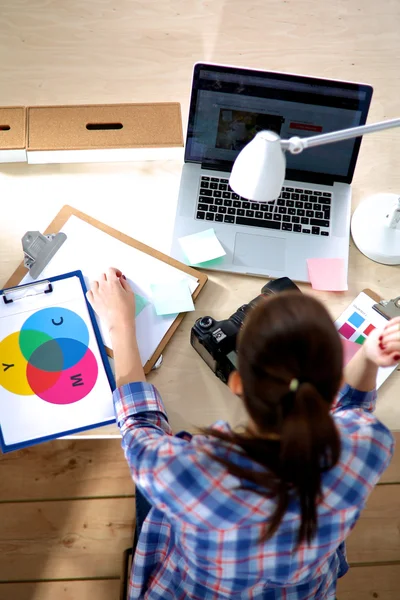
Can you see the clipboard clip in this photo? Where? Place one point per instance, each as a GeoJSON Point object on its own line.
{"type": "Point", "coordinates": [388, 308]}
{"type": "Point", "coordinates": [39, 250]}
{"type": "Point", "coordinates": [24, 291]}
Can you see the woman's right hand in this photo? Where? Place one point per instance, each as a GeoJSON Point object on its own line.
{"type": "Point", "coordinates": [114, 301]}
{"type": "Point", "coordinates": [383, 347]}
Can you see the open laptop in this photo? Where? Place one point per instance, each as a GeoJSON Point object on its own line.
{"type": "Point", "coordinates": [311, 217]}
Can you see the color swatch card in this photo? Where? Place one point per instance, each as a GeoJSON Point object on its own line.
{"type": "Point", "coordinates": [354, 326]}
{"type": "Point", "coordinates": [54, 376]}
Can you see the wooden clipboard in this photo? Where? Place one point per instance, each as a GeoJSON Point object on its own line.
{"type": "Point", "coordinates": [56, 225]}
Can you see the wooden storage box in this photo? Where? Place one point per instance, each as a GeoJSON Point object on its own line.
{"type": "Point", "coordinates": [104, 133]}
{"type": "Point", "coordinates": [12, 134]}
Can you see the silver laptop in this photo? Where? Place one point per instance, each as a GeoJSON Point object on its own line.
{"type": "Point", "coordinates": [311, 217]}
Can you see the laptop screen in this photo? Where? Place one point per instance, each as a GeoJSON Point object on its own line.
{"type": "Point", "coordinates": [229, 105]}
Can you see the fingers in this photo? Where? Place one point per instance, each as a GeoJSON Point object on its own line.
{"type": "Point", "coordinates": [395, 321]}
{"type": "Point", "coordinates": [113, 270]}
{"type": "Point", "coordinates": [113, 275]}
{"type": "Point", "coordinates": [94, 286]}
{"type": "Point", "coordinates": [389, 340]}
{"type": "Point", "coordinates": [89, 296]}
{"type": "Point", "coordinates": [125, 284]}
{"type": "Point", "coordinates": [389, 360]}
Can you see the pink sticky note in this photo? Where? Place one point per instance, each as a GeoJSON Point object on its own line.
{"type": "Point", "coordinates": [349, 350]}
{"type": "Point", "coordinates": [327, 274]}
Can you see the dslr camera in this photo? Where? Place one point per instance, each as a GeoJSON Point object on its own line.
{"type": "Point", "coordinates": [215, 341]}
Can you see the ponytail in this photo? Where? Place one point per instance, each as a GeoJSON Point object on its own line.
{"type": "Point", "coordinates": [310, 445]}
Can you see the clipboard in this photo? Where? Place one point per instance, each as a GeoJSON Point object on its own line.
{"type": "Point", "coordinates": [40, 389]}
{"type": "Point", "coordinates": [60, 221]}
{"type": "Point", "coordinates": [365, 313]}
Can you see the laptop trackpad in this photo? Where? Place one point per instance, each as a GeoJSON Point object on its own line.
{"type": "Point", "coordinates": [259, 251]}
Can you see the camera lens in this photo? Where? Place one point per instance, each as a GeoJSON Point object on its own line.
{"type": "Point", "coordinates": [206, 322]}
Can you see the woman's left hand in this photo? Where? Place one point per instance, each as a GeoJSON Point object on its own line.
{"type": "Point", "coordinates": [383, 347]}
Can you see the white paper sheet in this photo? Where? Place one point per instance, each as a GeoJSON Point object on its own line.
{"type": "Point", "coordinates": [25, 416]}
{"type": "Point", "coordinates": [92, 251]}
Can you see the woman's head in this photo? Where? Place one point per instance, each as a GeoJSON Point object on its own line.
{"type": "Point", "coordinates": [288, 336]}
{"type": "Point", "coordinates": [289, 372]}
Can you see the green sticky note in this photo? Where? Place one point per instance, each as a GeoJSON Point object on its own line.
{"type": "Point", "coordinates": [201, 247]}
{"type": "Point", "coordinates": [210, 263]}
{"type": "Point", "coordinates": [172, 297]}
{"type": "Point", "coordinates": [140, 303]}
{"type": "Point", "coordinates": [360, 339]}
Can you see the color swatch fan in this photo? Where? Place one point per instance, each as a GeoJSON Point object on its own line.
{"type": "Point", "coordinates": [54, 375]}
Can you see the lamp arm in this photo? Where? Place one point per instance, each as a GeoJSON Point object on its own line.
{"type": "Point", "coordinates": [295, 145]}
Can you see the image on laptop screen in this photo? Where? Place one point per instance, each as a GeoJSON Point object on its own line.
{"type": "Point", "coordinates": [230, 105]}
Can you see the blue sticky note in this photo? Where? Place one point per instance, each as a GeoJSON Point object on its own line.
{"type": "Point", "coordinates": [356, 319]}
{"type": "Point", "coordinates": [172, 297]}
{"type": "Point", "coordinates": [201, 247]}
{"type": "Point", "coordinates": [140, 304]}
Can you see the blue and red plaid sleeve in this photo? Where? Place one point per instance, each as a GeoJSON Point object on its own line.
{"type": "Point", "coordinates": [366, 446]}
{"type": "Point", "coordinates": [170, 471]}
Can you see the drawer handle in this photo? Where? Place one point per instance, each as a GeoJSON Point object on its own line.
{"type": "Point", "coordinates": [5, 127]}
{"type": "Point", "coordinates": [103, 126]}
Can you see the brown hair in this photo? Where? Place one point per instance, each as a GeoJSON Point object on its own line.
{"type": "Point", "coordinates": [288, 336]}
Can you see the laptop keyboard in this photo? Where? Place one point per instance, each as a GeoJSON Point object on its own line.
{"type": "Point", "coordinates": [297, 209]}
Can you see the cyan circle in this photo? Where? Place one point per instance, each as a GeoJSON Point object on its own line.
{"type": "Point", "coordinates": [57, 323]}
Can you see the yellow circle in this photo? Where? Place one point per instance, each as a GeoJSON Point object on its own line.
{"type": "Point", "coordinates": [13, 367]}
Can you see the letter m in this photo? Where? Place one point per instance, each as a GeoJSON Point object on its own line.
{"type": "Point", "coordinates": [77, 380]}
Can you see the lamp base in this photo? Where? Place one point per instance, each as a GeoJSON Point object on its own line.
{"type": "Point", "coordinates": [370, 232]}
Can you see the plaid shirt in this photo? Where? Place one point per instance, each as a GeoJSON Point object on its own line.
{"type": "Point", "coordinates": [200, 540]}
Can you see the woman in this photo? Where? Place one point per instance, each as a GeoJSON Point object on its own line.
{"type": "Point", "coordinates": [263, 513]}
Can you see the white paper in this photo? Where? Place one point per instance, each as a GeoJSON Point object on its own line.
{"type": "Point", "coordinates": [363, 305]}
{"type": "Point", "coordinates": [28, 417]}
{"type": "Point", "coordinates": [92, 251]}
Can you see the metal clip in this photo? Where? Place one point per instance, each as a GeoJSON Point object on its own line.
{"type": "Point", "coordinates": [39, 250]}
{"type": "Point", "coordinates": [388, 308]}
{"type": "Point", "coordinates": [24, 291]}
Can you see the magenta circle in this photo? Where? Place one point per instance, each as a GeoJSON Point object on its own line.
{"type": "Point", "coordinates": [74, 383]}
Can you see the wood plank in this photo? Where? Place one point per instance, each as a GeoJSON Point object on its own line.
{"type": "Point", "coordinates": [104, 589]}
{"type": "Point", "coordinates": [377, 534]}
{"type": "Point", "coordinates": [64, 540]}
{"type": "Point", "coordinates": [392, 473]}
{"type": "Point", "coordinates": [66, 469]}
{"type": "Point", "coordinates": [366, 583]}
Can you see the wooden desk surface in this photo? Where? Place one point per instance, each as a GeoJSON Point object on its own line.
{"type": "Point", "coordinates": [143, 52]}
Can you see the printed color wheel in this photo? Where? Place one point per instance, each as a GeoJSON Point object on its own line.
{"type": "Point", "coordinates": [49, 358]}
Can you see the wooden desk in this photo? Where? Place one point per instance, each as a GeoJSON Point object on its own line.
{"type": "Point", "coordinates": [105, 63]}
{"type": "Point", "coordinates": [140, 200]}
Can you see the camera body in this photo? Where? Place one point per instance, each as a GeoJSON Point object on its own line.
{"type": "Point", "coordinates": [215, 341]}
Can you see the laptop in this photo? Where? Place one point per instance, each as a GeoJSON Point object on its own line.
{"type": "Point", "coordinates": [311, 217]}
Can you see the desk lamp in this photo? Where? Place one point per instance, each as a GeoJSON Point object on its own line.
{"type": "Point", "coordinates": [259, 172]}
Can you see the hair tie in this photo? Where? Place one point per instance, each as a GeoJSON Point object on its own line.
{"type": "Point", "coordinates": [294, 385]}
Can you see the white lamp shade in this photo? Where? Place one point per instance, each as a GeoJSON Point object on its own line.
{"type": "Point", "coordinates": [259, 170]}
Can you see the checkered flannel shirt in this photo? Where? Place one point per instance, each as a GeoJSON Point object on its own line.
{"type": "Point", "coordinates": [200, 541]}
